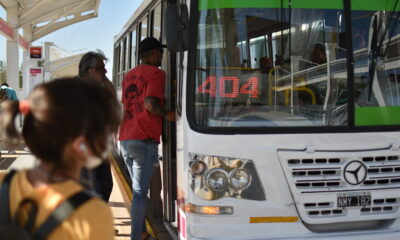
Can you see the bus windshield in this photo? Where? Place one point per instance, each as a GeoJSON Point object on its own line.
{"type": "Point", "coordinates": [287, 66]}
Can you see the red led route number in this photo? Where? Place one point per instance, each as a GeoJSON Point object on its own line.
{"type": "Point", "coordinates": [210, 86]}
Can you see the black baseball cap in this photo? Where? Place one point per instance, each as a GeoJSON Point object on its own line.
{"type": "Point", "coordinates": [149, 44]}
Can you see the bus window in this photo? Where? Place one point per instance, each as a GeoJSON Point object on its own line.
{"type": "Point", "coordinates": [128, 51]}
{"type": "Point", "coordinates": [123, 54]}
{"type": "Point", "coordinates": [133, 48]}
{"type": "Point", "coordinates": [143, 30]}
{"type": "Point", "coordinates": [280, 39]}
{"type": "Point", "coordinates": [157, 22]}
{"type": "Point", "coordinates": [240, 55]}
{"type": "Point", "coordinates": [116, 65]}
{"type": "Point", "coordinates": [258, 50]}
{"type": "Point", "coordinates": [121, 57]}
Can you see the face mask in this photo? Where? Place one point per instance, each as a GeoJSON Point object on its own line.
{"type": "Point", "coordinates": [92, 162]}
{"type": "Point", "coordinates": [109, 146]}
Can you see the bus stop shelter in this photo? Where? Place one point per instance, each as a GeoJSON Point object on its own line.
{"type": "Point", "coordinates": [36, 19]}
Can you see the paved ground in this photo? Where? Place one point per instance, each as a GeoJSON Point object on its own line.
{"type": "Point", "coordinates": [18, 159]}
{"type": "Point", "coordinates": [120, 209]}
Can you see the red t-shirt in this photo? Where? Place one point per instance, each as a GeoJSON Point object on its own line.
{"type": "Point", "coordinates": [138, 123]}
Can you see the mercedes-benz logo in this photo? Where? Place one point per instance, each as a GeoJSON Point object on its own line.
{"type": "Point", "coordinates": [355, 172]}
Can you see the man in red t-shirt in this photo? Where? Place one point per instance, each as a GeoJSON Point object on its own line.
{"type": "Point", "coordinates": [143, 100]}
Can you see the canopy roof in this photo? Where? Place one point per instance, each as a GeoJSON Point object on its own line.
{"type": "Point", "coordinates": [47, 16]}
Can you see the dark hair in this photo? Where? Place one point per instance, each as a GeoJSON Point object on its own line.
{"type": "Point", "coordinates": [90, 60]}
{"type": "Point", "coordinates": [148, 44]}
{"type": "Point", "coordinates": [60, 111]}
{"type": "Point", "coordinates": [5, 84]}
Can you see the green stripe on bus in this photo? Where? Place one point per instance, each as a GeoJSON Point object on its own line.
{"type": "Point", "coordinates": [313, 4]}
{"type": "Point", "coordinates": [317, 4]}
{"type": "Point", "coordinates": [374, 5]}
{"type": "Point", "coordinates": [373, 116]}
{"type": "Point", "coordinates": [214, 4]}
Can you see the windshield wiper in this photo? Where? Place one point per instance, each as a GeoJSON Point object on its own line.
{"type": "Point", "coordinates": [376, 48]}
{"type": "Point", "coordinates": [373, 55]}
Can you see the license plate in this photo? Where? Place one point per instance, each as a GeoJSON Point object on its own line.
{"type": "Point", "coordinates": [354, 200]}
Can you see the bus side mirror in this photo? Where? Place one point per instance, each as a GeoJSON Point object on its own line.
{"type": "Point", "coordinates": [177, 27]}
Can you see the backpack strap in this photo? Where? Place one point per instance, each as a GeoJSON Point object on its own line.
{"type": "Point", "coordinates": [5, 198]}
{"type": "Point", "coordinates": [61, 213]}
{"type": "Point", "coordinates": [30, 222]}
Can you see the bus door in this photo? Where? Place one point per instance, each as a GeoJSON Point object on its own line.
{"type": "Point", "coordinates": [163, 184]}
{"type": "Point", "coordinates": [168, 165]}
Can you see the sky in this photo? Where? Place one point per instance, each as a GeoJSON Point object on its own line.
{"type": "Point", "coordinates": [92, 34]}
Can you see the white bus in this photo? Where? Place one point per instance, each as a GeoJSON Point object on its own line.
{"type": "Point", "coordinates": [288, 116]}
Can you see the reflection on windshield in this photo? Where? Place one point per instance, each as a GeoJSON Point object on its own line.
{"type": "Point", "coordinates": [376, 78]}
{"type": "Point", "coordinates": [255, 68]}
{"type": "Point", "coordinates": [260, 67]}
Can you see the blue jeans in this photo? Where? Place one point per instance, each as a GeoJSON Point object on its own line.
{"type": "Point", "coordinates": [141, 159]}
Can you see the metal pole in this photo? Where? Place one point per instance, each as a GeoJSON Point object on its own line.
{"type": "Point", "coordinates": [328, 82]}
{"type": "Point", "coordinates": [291, 84]}
{"type": "Point", "coordinates": [12, 49]}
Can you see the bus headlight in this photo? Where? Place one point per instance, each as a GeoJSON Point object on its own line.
{"type": "Point", "coordinates": [239, 179]}
{"type": "Point", "coordinates": [213, 177]}
{"type": "Point", "coordinates": [217, 180]}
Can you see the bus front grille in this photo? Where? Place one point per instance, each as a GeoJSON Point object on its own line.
{"type": "Point", "coordinates": [317, 180]}
{"type": "Point", "coordinates": [326, 174]}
